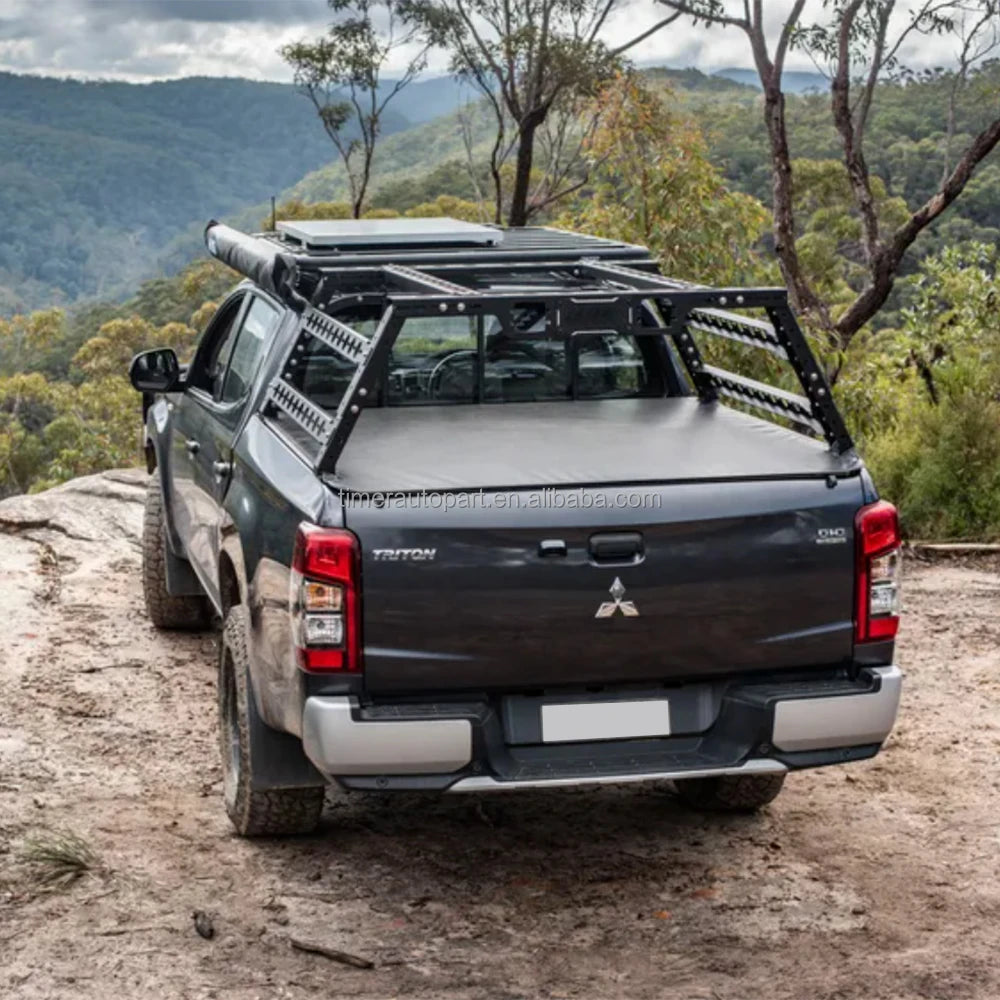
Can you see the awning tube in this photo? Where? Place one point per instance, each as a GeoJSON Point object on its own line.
{"type": "Point", "coordinates": [253, 258]}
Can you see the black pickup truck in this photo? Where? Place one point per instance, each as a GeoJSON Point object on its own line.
{"type": "Point", "coordinates": [475, 515]}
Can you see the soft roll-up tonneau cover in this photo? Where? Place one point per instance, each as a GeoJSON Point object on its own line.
{"type": "Point", "coordinates": [564, 444]}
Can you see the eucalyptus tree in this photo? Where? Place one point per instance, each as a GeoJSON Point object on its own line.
{"type": "Point", "coordinates": [343, 74]}
{"type": "Point", "coordinates": [862, 45]}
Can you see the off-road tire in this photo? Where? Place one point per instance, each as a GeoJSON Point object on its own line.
{"type": "Point", "coordinates": [163, 609]}
{"type": "Point", "coordinates": [731, 792]}
{"type": "Point", "coordinates": [254, 812]}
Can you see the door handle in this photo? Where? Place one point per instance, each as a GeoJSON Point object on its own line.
{"type": "Point", "coordinates": [193, 447]}
{"type": "Point", "coordinates": [222, 469]}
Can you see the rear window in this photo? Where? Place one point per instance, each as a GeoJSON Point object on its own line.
{"type": "Point", "coordinates": [457, 359]}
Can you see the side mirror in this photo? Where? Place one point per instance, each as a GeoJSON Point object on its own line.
{"type": "Point", "coordinates": [156, 371]}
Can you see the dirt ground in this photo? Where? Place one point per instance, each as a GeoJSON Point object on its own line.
{"type": "Point", "coordinates": [875, 880]}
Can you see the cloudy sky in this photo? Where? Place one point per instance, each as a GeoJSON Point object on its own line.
{"type": "Point", "coordinates": [155, 39]}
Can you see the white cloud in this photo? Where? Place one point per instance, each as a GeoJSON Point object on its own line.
{"type": "Point", "coordinates": [155, 39]}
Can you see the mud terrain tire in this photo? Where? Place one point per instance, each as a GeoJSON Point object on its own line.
{"type": "Point", "coordinates": [163, 609]}
{"type": "Point", "coordinates": [731, 792]}
{"type": "Point", "coordinates": [254, 812]}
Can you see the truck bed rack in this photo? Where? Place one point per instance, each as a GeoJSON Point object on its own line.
{"type": "Point", "coordinates": [581, 283]}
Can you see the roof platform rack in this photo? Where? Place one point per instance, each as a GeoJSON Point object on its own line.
{"type": "Point", "coordinates": [580, 284]}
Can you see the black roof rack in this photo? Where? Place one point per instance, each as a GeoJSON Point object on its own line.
{"type": "Point", "coordinates": [579, 283]}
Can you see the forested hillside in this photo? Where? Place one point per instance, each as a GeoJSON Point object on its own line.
{"type": "Point", "coordinates": [908, 149]}
{"type": "Point", "coordinates": [96, 178]}
{"type": "Point", "coordinates": [678, 163]}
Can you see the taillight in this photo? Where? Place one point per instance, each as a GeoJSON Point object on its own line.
{"type": "Point", "coordinates": [876, 530]}
{"type": "Point", "coordinates": [325, 602]}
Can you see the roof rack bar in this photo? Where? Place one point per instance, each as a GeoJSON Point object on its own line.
{"type": "Point", "coordinates": [419, 281]}
{"type": "Point", "coordinates": [635, 279]}
{"type": "Point", "coordinates": [316, 261]}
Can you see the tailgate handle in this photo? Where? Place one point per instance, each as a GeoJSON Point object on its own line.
{"type": "Point", "coordinates": [616, 546]}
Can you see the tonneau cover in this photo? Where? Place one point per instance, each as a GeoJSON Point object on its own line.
{"type": "Point", "coordinates": [552, 444]}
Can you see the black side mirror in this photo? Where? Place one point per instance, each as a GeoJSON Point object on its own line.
{"type": "Point", "coordinates": [155, 371]}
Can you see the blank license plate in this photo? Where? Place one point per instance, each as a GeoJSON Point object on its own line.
{"type": "Point", "coordinates": [605, 720]}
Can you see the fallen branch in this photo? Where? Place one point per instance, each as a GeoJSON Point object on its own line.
{"type": "Point", "coordinates": [125, 665]}
{"type": "Point", "coordinates": [345, 958]}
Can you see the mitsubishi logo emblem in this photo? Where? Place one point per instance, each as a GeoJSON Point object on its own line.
{"type": "Point", "coordinates": [608, 609]}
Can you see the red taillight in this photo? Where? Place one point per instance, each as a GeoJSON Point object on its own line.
{"type": "Point", "coordinates": [876, 531]}
{"type": "Point", "coordinates": [325, 599]}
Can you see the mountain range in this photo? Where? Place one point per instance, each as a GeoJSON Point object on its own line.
{"type": "Point", "coordinates": [96, 177]}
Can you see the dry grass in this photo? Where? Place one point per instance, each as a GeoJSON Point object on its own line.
{"type": "Point", "coordinates": [56, 859]}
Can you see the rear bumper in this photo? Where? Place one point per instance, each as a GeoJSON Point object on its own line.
{"type": "Point", "coordinates": [760, 727]}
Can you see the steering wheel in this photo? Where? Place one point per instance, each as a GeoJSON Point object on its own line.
{"type": "Point", "coordinates": [441, 369]}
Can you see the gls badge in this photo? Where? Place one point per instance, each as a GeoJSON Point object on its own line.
{"type": "Point", "coordinates": [609, 608]}
{"type": "Point", "coordinates": [831, 536]}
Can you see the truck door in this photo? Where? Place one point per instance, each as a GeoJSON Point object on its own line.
{"type": "Point", "coordinates": [204, 377]}
{"type": "Point", "coordinates": [217, 425]}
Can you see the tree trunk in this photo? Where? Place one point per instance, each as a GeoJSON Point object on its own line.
{"type": "Point", "coordinates": [518, 215]}
{"type": "Point", "coordinates": [803, 297]}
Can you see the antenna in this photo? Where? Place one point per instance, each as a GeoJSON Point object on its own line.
{"type": "Point", "coordinates": [274, 217]}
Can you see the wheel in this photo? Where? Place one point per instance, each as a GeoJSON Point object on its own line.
{"type": "Point", "coordinates": [254, 811]}
{"type": "Point", "coordinates": [164, 610]}
{"type": "Point", "coordinates": [731, 792]}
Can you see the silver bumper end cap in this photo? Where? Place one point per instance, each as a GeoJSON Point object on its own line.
{"type": "Point", "coordinates": [338, 743]}
{"type": "Point", "coordinates": [841, 720]}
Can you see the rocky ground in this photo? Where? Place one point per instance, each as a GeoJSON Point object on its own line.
{"type": "Point", "coordinates": [877, 880]}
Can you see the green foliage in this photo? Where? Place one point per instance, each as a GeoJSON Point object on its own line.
{"type": "Point", "coordinates": [66, 405]}
{"type": "Point", "coordinates": [935, 448]}
{"type": "Point", "coordinates": [442, 205]}
{"type": "Point", "coordinates": [653, 184]}
{"type": "Point", "coordinates": [830, 247]}
{"type": "Point", "coordinates": [941, 464]}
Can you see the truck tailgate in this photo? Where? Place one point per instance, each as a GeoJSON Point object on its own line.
{"type": "Point", "coordinates": [688, 580]}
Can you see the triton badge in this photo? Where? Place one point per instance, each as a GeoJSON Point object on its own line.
{"type": "Point", "coordinates": [609, 608]}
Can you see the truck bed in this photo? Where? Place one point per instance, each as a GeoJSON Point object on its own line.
{"type": "Point", "coordinates": [593, 442]}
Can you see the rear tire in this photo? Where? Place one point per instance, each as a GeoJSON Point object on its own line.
{"type": "Point", "coordinates": [164, 609]}
{"type": "Point", "coordinates": [254, 812]}
{"type": "Point", "coordinates": [731, 792]}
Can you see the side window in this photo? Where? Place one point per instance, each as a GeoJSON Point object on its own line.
{"type": "Point", "coordinates": [213, 351]}
{"type": "Point", "coordinates": [259, 323]}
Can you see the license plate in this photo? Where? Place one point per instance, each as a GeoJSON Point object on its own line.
{"type": "Point", "coordinates": [605, 720]}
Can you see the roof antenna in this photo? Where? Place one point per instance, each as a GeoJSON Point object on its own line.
{"type": "Point", "coordinates": [274, 217]}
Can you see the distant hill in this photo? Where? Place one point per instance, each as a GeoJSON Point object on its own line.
{"type": "Point", "coordinates": [794, 82]}
{"type": "Point", "coordinates": [423, 100]}
{"type": "Point", "coordinates": [96, 177]}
